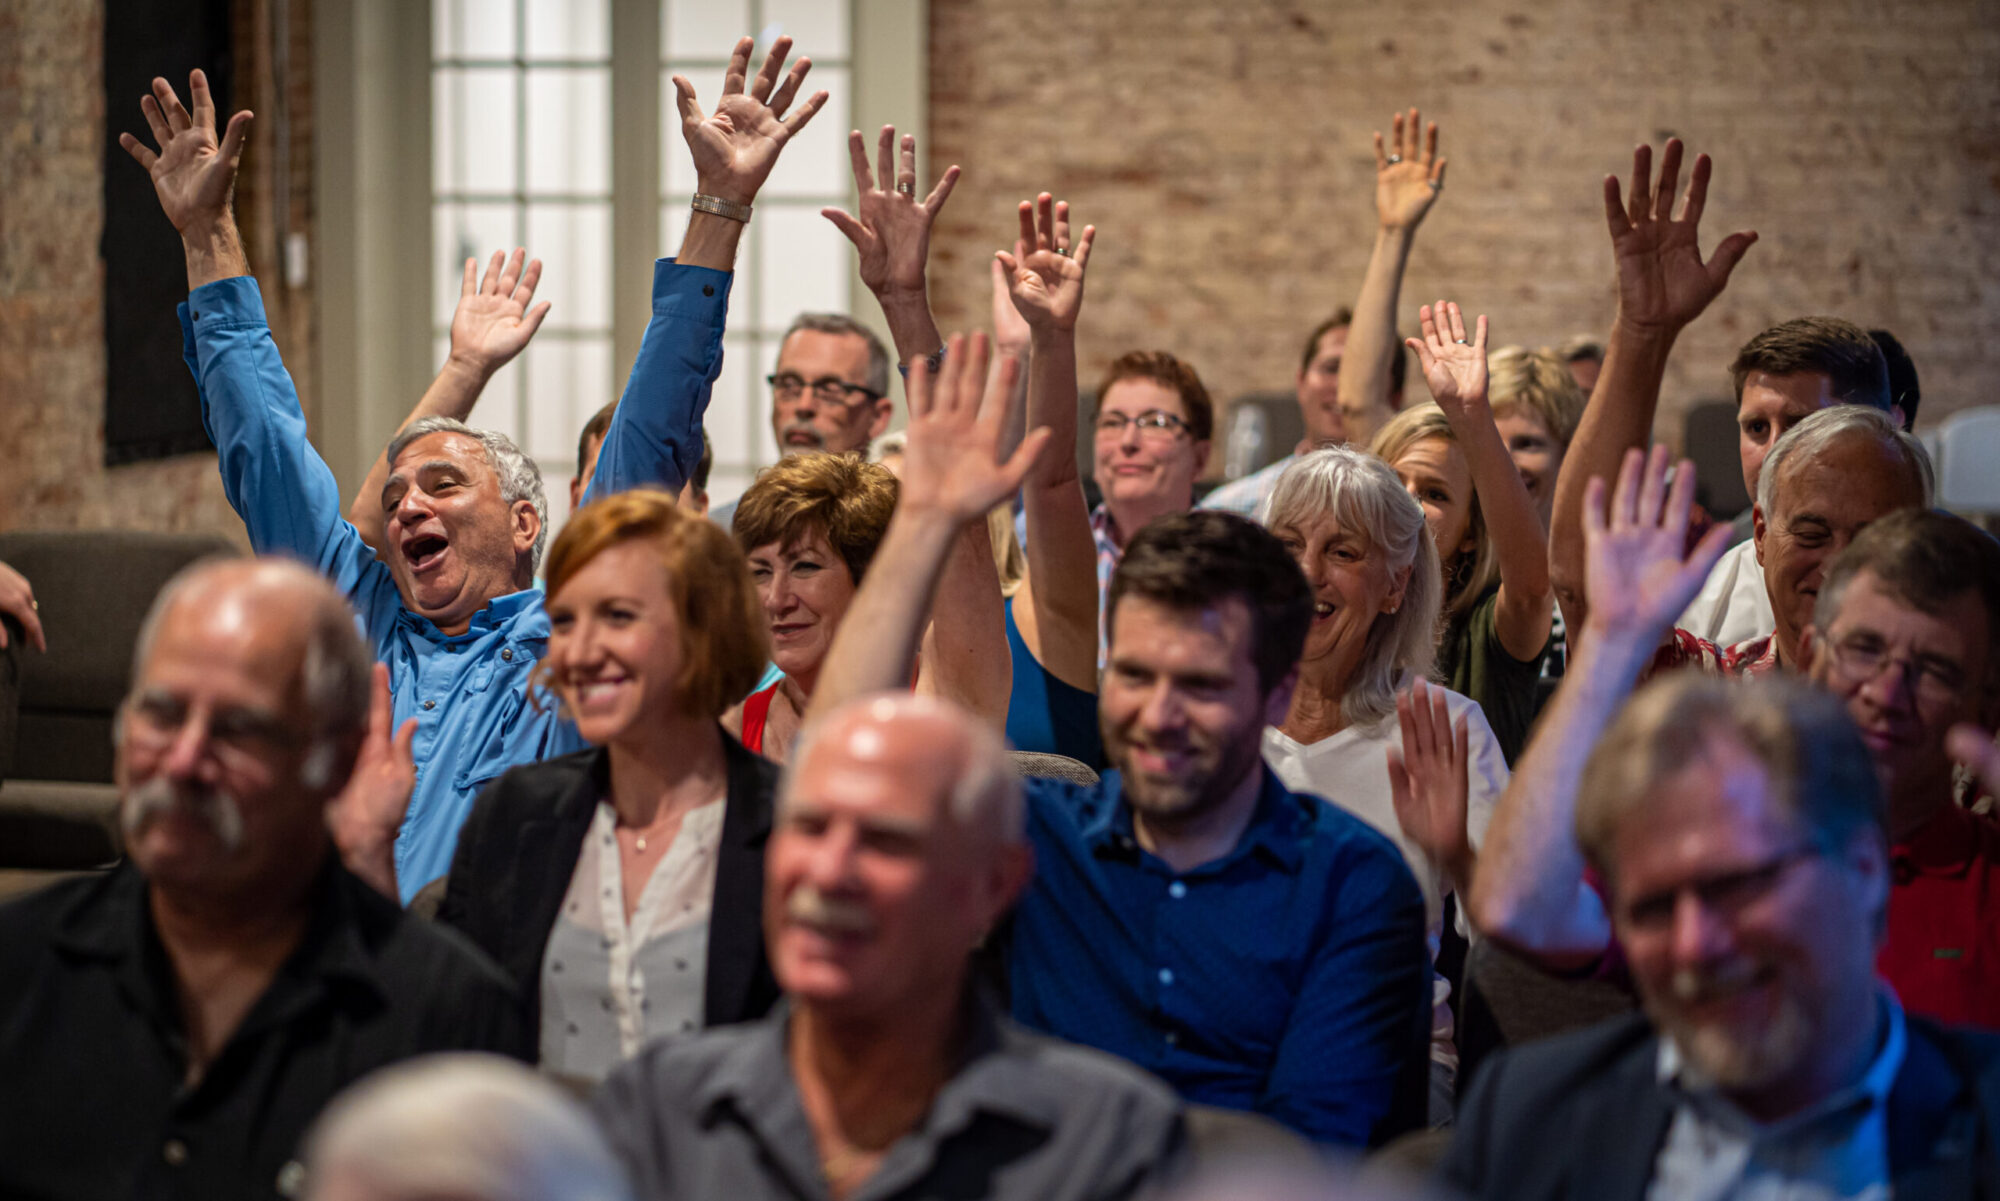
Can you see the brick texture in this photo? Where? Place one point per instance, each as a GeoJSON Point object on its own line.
{"type": "Point", "coordinates": [52, 473]}
{"type": "Point", "coordinates": [1223, 152]}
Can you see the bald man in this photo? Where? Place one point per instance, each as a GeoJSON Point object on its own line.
{"type": "Point", "coordinates": [899, 844]}
{"type": "Point", "coordinates": [172, 1027]}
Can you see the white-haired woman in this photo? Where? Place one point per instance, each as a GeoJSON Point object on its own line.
{"type": "Point", "coordinates": [1365, 548]}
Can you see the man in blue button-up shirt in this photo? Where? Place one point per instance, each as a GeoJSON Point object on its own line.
{"type": "Point", "coordinates": [1257, 948]}
{"type": "Point", "coordinates": [451, 607]}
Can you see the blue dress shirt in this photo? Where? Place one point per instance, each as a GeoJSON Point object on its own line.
{"type": "Point", "coordinates": [1289, 977]}
{"type": "Point", "coordinates": [468, 692]}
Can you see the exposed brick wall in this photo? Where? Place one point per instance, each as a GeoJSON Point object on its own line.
{"type": "Point", "coordinates": [1223, 151]}
{"type": "Point", "coordinates": [52, 472]}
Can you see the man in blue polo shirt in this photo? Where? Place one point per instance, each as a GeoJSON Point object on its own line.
{"type": "Point", "coordinates": [451, 606]}
{"type": "Point", "coordinates": [1257, 948]}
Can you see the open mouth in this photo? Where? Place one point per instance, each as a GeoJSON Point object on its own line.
{"type": "Point", "coordinates": [1323, 610]}
{"type": "Point", "coordinates": [597, 692]}
{"type": "Point", "coordinates": [424, 551]}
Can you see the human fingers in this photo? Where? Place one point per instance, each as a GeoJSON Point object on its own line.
{"type": "Point", "coordinates": [1427, 320]}
{"type": "Point", "coordinates": [856, 232]}
{"type": "Point", "coordinates": [1625, 500]}
{"type": "Point", "coordinates": [1430, 143]}
{"type": "Point", "coordinates": [804, 115]}
{"type": "Point", "coordinates": [767, 75]}
{"type": "Point", "coordinates": [1457, 317]}
{"type": "Point", "coordinates": [1045, 222]}
{"type": "Point", "coordinates": [510, 272]}
{"type": "Point", "coordinates": [233, 138]}
{"type": "Point", "coordinates": [170, 106]}
{"type": "Point", "coordinates": [1670, 179]}
{"type": "Point", "coordinates": [906, 166]}
{"type": "Point", "coordinates": [789, 90]}
{"type": "Point", "coordinates": [1697, 193]}
{"type": "Point", "coordinates": [684, 102]}
{"type": "Point", "coordinates": [155, 119]}
{"type": "Point", "coordinates": [137, 149]}
{"type": "Point", "coordinates": [201, 100]}
{"type": "Point", "coordinates": [1593, 508]}
{"type": "Point", "coordinates": [942, 192]}
{"type": "Point", "coordinates": [1728, 253]}
{"type": "Point", "coordinates": [1479, 335]}
{"type": "Point", "coordinates": [1026, 212]}
{"type": "Point", "coordinates": [885, 157]}
{"type": "Point", "coordinates": [1640, 202]}
{"type": "Point", "coordinates": [1381, 155]}
{"type": "Point", "coordinates": [1653, 487]}
{"type": "Point", "coordinates": [1680, 500]}
{"type": "Point", "coordinates": [1614, 209]}
{"type": "Point", "coordinates": [739, 67]}
{"type": "Point", "coordinates": [1082, 252]}
{"type": "Point", "coordinates": [531, 278]}
{"type": "Point", "coordinates": [1062, 225]}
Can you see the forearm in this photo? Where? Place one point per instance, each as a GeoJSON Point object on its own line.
{"type": "Point", "coordinates": [1521, 617]}
{"type": "Point", "coordinates": [1618, 417]}
{"type": "Point", "coordinates": [453, 393]}
{"type": "Point", "coordinates": [1061, 553]}
{"type": "Point", "coordinates": [1529, 891]}
{"type": "Point", "coordinates": [965, 653]}
{"type": "Point", "coordinates": [1372, 342]}
{"type": "Point", "coordinates": [710, 242]}
{"type": "Point", "coordinates": [912, 329]}
{"type": "Point", "coordinates": [214, 252]}
{"type": "Point", "coordinates": [878, 637]}
{"type": "Point", "coordinates": [655, 434]}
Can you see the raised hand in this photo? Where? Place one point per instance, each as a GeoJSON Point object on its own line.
{"type": "Point", "coordinates": [17, 600]}
{"type": "Point", "coordinates": [1454, 365]}
{"type": "Point", "coordinates": [892, 231]}
{"type": "Point", "coordinates": [1974, 747]}
{"type": "Point", "coordinates": [194, 174]}
{"type": "Point", "coordinates": [1044, 273]}
{"type": "Point", "coordinates": [1428, 779]}
{"type": "Point", "coordinates": [736, 146]}
{"type": "Point", "coordinates": [493, 321]}
{"type": "Point", "coordinates": [952, 461]}
{"type": "Point", "coordinates": [1011, 332]}
{"type": "Point", "coordinates": [1408, 175]}
{"type": "Point", "coordinates": [366, 815]}
{"type": "Point", "coordinates": [1662, 281]}
{"type": "Point", "coordinates": [1638, 573]}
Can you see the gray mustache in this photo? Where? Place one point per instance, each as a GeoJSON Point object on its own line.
{"type": "Point", "coordinates": [158, 797]}
{"type": "Point", "coordinates": [810, 906]}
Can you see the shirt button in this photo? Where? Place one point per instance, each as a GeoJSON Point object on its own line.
{"type": "Point", "coordinates": [430, 704]}
{"type": "Point", "coordinates": [1173, 1038]}
{"type": "Point", "coordinates": [1166, 975]}
{"type": "Point", "coordinates": [507, 653]}
{"type": "Point", "coordinates": [175, 1153]}
{"type": "Point", "coordinates": [1177, 890]}
{"type": "Point", "coordinates": [708, 289]}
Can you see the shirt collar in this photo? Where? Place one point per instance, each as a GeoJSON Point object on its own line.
{"type": "Point", "coordinates": [496, 613]}
{"type": "Point", "coordinates": [1277, 831]}
{"type": "Point", "coordinates": [1946, 845]}
{"type": "Point", "coordinates": [1870, 1092]}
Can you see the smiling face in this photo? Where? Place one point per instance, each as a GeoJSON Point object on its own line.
{"type": "Point", "coordinates": [453, 543]}
{"type": "Point", "coordinates": [615, 655]}
{"type": "Point", "coordinates": [1353, 588]}
{"type": "Point", "coordinates": [1770, 405]}
{"type": "Point", "coordinates": [1536, 453]}
{"type": "Point", "coordinates": [1819, 504]}
{"type": "Point", "coordinates": [1180, 708]}
{"type": "Point", "coordinates": [1435, 472]}
{"type": "Point", "coordinates": [1146, 471]}
{"type": "Point", "coordinates": [1751, 947]}
{"type": "Point", "coordinates": [804, 421]}
{"type": "Point", "coordinates": [805, 589]}
{"type": "Point", "coordinates": [1318, 387]}
{"type": "Point", "coordinates": [1907, 677]}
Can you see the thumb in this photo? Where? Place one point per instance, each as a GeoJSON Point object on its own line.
{"type": "Point", "coordinates": [1728, 254]}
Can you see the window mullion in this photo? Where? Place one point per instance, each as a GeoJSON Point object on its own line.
{"type": "Point", "coordinates": [635, 173]}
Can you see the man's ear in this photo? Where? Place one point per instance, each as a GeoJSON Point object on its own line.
{"type": "Point", "coordinates": [1201, 457]}
{"type": "Point", "coordinates": [1278, 702]}
{"type": "Point", "coordinates": [527, 526]}
{"type": "Point", "coordinates": [575, 493]}
{"type": "Point", "coordinates": [885, 411]}
{"type": "Point", "coordinates": [1757, 531]}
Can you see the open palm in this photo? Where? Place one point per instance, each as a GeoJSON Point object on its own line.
{"type": "Point", "coordinates": [1639, 573]}
{"type": "Point", "coordinates": [1454, 365]}
{"type": "Point", "coordinates": [1406, 188]}
{"type": "Point", "coordinates": [493, 321]}
{"type": "Point", "coordinates": [1044, 274]}
{"type": "Point", "coordinates": [951, 460]}
{"type": "Point", "coordinates": [1662, 280]}
{"type": "Point", "coordinates": [735, 147]}
{"type": "Point", "coordinates": [194, 173]}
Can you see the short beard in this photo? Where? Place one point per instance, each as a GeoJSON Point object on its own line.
{"type": "Point", "coordinates": [1732, 1060]}
{"type": "Point", "coordinates": [158, 797]}
{"type": "Point", "coordinates": [1186, 800]}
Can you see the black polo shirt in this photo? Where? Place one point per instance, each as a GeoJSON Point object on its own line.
{"type": "Point", "coordinates": [92, 1057]}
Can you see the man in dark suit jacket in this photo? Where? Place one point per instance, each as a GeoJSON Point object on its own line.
{"type": "Point", "coordinates": [1739, 830]}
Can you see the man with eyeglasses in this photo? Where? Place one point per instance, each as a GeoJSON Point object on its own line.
{"type": "Point", "coordinates": [1739, 830]}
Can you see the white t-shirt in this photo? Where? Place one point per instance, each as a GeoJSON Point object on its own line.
{"type": "Point", "coordinates": [1733, 605]}
{"type": "Point", "coordinates": [1351, 770]}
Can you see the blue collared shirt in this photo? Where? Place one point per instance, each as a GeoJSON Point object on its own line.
{"type": "Point", "coordinates": [468, 692]}
{"type": "Point", "coordinates": [1289, 977]}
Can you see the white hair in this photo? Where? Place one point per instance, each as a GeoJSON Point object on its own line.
{"type": "Point", "coordinates": [1362, 493]}
{"type": "Point", "coordinates": [985, 793]}
{"type": "Point", "coordinates": [465, 1125]}
{"type": "Point", "coordinates": [520, 478]}
{"type": "Point", "coordinates": [1811, 437]}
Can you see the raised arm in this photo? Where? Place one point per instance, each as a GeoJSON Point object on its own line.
{"type": "Point", "coordinates": [1663, 284]}
{"type": "Point", "coordinates": [655, 434]}
{"type": "Point", "coordinates": [1056, 608]}
{"type": "Point", "coordinates": [1430, 781]}
{"type": "Point", "coordinates": [1455, 369]}
{"type": "Point", "coordinates": [952, 474]}
{"type": "Point", "coordinates": [1529, 891]}
{"type": "Point", "coordinates": [891, 232]}
{"type": "Point", "coordinates": [1408, 177]}
{"type": "Point", "coordinates": [492, 323]}
{"type": "Point", "coordinates": [194, 176]}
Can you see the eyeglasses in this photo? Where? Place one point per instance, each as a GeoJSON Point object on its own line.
{"type": "Point", "coordinates": [155, 719]}
{"type": "Point", "coordinates": [1726, 894]}
{"type": "Point", "coordinates": [1861, 656]}
{"type": "Point", "coordinates": [828, 389]}
{"type": "Point", "coordinates": [1153, 423]}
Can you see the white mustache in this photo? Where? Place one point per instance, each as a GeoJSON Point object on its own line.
{"type": "Point", "coordinates": [1692, 985]}
{"type": "Point", "coordinates": [809, 906]}
{"type": "Point", "coordinates": [158, 797]}
{"type": "Point", "coordinates": [802, 427]}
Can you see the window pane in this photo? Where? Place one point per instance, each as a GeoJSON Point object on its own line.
{"type": "Point", "coordinates": [817, 27]}
{"type": "Point", "coordinates": [803, 266]}
{"type": "Point", "coordinates": [737, 406]}
{"type": "Point", "coordinates": [702, 28]}
{"type": "Point", "coordinates": [568, 29]}
{"type": "Point", "coordinates": [466, 231]}
{"type": "Point", "coordinates": [568, 381]}
{"type": "Point", "coordinates": [472, 28]}
{"type": "Point", "coordinates": [816, 162]}
{"type": "Point", "coordinates": [676, 166]}
{"type": "Point", "coordinates": [500, 404]}
{"type": "Point", "coordinates": [767, 442]}
{"type": "Point", "coordinates": [574, 243]}
{"type": "Point", "coordinates": [473, 135]}
{"type": "Point", "coordinates": [569, 130]}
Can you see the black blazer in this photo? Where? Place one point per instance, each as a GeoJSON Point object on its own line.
{"type": "Point", "coordinates": [519, 847]}
{"type": "Point", "coordinates": [1582, 1117]}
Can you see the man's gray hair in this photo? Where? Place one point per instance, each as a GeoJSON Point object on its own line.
{"type": "Point", "coordinates": [1363, 495]}
{"type": "Point", "coordinates": [336, 671]}
{"type": "Point", "coordinates": [1811, 437]}
{"type": "Point", "coordinates": [520, 478]}
{"type": "Point", "coordinates": [838, 323]}
{"type": "Point", "coordinates": [465, 1125]}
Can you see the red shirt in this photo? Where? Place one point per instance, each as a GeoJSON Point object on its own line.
{"type": "Point", "coordinates": [1942, 953]}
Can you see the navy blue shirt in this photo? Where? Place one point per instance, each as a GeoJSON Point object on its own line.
{"type": "Point", "coordinates": [1289, 977]}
